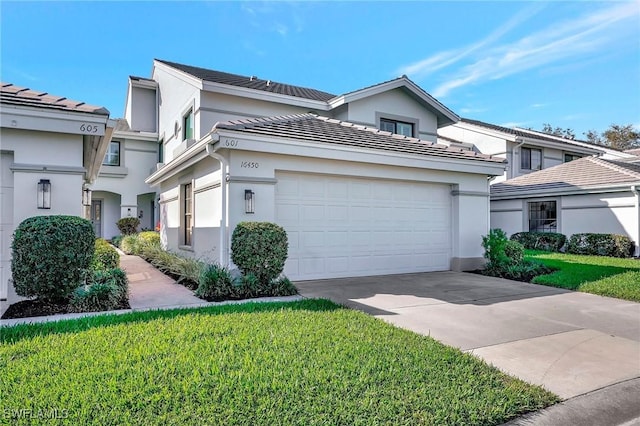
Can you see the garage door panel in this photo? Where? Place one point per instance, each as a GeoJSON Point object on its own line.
{"type": "Point", "coordinates": [340, 226]}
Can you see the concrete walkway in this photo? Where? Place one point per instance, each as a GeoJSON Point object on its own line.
{"type": "Point", "coordinates": [569, 342]}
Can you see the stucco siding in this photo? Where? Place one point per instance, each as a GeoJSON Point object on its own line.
{"type": "Point", "coordinates": [142, 115]}
{"type": "Point", "coordinates": [43, 148]}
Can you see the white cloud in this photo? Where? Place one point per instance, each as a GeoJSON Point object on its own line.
{"type": "Point", "coordinates": [512, 124]}
{"type": "Point", "coordinates": [469, 110]}
{"type": "Point", "coordinates": [558, 42]}
{"type": "Point", "coordinates": [538, 105]}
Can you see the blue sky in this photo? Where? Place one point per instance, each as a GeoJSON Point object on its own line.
{"type": "Point", "coordinates": [571, 64]}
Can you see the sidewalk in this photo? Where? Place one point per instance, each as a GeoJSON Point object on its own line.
{"type": "Point", "coordinates": [149, 289]}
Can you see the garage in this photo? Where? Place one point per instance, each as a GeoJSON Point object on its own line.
{"type": "Point", "coordinates": [345, 226]}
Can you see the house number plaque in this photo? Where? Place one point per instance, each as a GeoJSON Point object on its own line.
{"type": "Point", "coordinates": [249, 165]}
{"type": "Point", "coordinates": [231, 143]}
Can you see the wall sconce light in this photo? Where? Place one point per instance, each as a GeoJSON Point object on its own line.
{"type": "Point", "coordinates": [249, 201]}
{"type": "Point", "coordinates": [44, 194]}
{"type": "Point", "coordinates": [129, 211]}
{"type": "Point", "coordinates": [86, 197]}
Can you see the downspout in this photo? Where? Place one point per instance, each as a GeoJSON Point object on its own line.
{"type": "Point", "coordinates": [512, 155]}
{"type": "Point", "coordinates": [224, 172]}
{"type": "Point", "coordinates": [489, 180]}
{"type": "Point", "coordinates": [636, 191]}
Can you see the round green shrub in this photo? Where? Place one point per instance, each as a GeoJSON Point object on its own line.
{"type": "Point", "coordinates": [514, 251]}
{"type": "Point", "coordinates": [548, 241]}
{"type": "Point", "coordinates": [128, 225]}
{"type": "Point", "coordinates": [51, 256]}
{"type": "Point", "coordinates": [259, 249]}
{"type": "Point", "coordinates": [105, 256]}
{"type": "Point", "coordinates": [613, 245]}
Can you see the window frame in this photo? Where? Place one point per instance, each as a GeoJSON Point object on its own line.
{"type": "Point", "coordinates": [529, 156]}
{"type": "Point", "coordinates": [109, 154]}
{"type": "Point", "coordinates": [542, 224]}
{"type": "Point", "coordinates": [189, 115]}
{"type": "Point", "coordinates": [187, 219]}
{"type": "Point", "coordinates": [394, 123]}
{"type": "Point", "coordinates": [574, 157]}
{"type": "Point", "coordinates": [161, 150]}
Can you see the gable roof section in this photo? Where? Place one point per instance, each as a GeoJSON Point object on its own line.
{"type": "Point", "coordinates": [581, 174]}
{"type": "Point", "coordinates": [444, 114]}
{"type": "Point", "coordinates": [11, 94]}
{"type": "Point", "coordinates": [316, 129]}
{"type": "Point", "coordinates": [250, 82]}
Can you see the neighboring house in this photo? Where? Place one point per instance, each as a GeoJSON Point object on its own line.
{"type": "Point", "coordinates": [357, 180]}
{"type": "Point", "coordinates": [526, 151]}
{"type": "Point", "coordinates": [51, 149]}
{"type": "Point", "coordinates": [590, 194]}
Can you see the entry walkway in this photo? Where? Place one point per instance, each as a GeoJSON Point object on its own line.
{"type": "Point", "coordinates": [569, 342]}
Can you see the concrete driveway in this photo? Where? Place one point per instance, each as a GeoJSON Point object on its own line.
{"type": "Point", "coordinates": [569, 342]}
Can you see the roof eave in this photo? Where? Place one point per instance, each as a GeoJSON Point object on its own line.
{"type": "Point", "coordinates": [524, 192]}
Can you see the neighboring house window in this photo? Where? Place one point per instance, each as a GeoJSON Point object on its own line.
{"type": "Point", "coordinates": [161, 151]}
{"type": "Point", "coordinates": [187, 125]}
{"type": "Point", "coordinates": [543, 216]}
{"type": "Point", "coordinates": [188, 214]}
{"type": "Point", "coordinates": [112, 157]}
{"type": "Point", "coordinates": [571, 157]}
{"type": "Point", "coordinates": [398, 127]}
{"type": "Point", "coordinates": [530, 159]}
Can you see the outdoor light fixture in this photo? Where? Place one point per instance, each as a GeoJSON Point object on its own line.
{"type": "Point", "coordinates": [86, 197]}
{"type": "Point", "coordinates": [249, 202]}
{"type": "Point", "coordinates": [44, 194]}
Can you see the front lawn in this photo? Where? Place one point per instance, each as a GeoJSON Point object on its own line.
{"type": "Point", "coordinates": [605, 276]}
{"type": "Point", "coordinates": [308, 362]}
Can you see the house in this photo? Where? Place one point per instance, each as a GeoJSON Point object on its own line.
{"type": "Point", "coordinates": [591, 194]}
{"type": "Point", "coordinates": [51, 149]}
{"type": "Point", "coordinates": [526, 151]}
{"type": "Point", "coordinates": [357, 180]}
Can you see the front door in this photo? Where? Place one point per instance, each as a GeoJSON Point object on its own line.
{"type": "Point", "coordinates": [96, 217]}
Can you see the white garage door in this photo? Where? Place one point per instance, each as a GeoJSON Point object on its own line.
{"type": "Point", "coordinates": [346, 227]}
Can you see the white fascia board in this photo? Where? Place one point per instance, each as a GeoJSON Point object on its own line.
{"type": "Point", "coordinates": [51, 120]}
{"type": "Point", "coordinates": [262, 95]}
{"type": "Point", "coordinates": [145, 84]}
{"type": "Point", "coordinates": [340, 152]}
{"type": "Point", "coordinates": [562, 146]}
{"type": "Point", "coordinates": [554, 192]}
{"type": "Point", "coordinates": [195, 153]}
{"type": "Point", "coordinates": [181, 75]}
{"type": "Point", "coordinates": [144, 136]}
{"type": "Point", "coordinates": [485, 131]}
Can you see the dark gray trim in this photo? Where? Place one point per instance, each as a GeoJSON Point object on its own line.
{"type": "Point", "coordinates": [597, 207]}
{"type": "Point", "coordinates": [142, 150]}
{"type": "Point", "coordinates": [507, 210]}
{"type": "Point", "coordinates": [456, 193]}
{"type": "Point", "coordinates": [207, 187]}
{"type": "Point", "coordinates": [431, 134]}
{"type": "Point", "coordinates": [251, 179]}
{"type": "Point", "coordinates": [38, 168]}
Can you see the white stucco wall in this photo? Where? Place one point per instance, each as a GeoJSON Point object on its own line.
{"type": "Point", "coordinates": [141, 113]}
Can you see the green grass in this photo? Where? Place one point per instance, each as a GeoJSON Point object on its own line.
{"type": "Point", "coordinates": [308, 362]}
{"type": "Point", "coordinates": [605, 276]}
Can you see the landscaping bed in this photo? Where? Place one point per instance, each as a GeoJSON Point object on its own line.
{"type": "Point", "coordinates": [605, 276]}
{"type": "Point", "coordinates": [308, 362]}
{"type": "Point", "coordinates": [40, 308]}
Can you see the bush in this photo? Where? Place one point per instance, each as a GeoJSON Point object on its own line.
{"type": "Point", "coordinates": [149, 238]}
{"type": "Point", "coordinates": [215, 284]}
{"type": "Point", "coordinates": [612, 245]}
{"type": "Point", "coordinates": [523, 271]}
{"type": "Point", "coordinates": [259, 249]}
{"type": "Point", "coordinates": [129, 244]}
{"type": "Point", "coordinates": [107, 291]}
{"type": "Point", "coordinates": [51, 256]}
{"type": "Point", "coordinates": [282, 286]}
{"type": "Point", "coordinates": [184, 270]}
{"type": "Point", "coordinates": [116, 240]}
{"type": "Point", "coordinates": [547, 241]}
{"type": "Point", "coordinates": [104, 256]}
{"type": "Point", "coordinates": [128, 225]}
{"type": "Point", "coordinates": [494, 245]}
{"type": "Point", "coordinates": [514, 251]}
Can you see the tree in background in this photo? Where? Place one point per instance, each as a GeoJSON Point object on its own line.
{"type": "Point", "coordinates": [558, 131]}
{"type": "Point", "coordinates": [616, 137]}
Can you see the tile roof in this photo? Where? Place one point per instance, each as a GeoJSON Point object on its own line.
{"type": "Point", "coordinates": [251, 82]}
{"type": "Point", "coordinates": [635, 151]}
{"type": "Point", "coordinates": [582, 173]}
{"type": "Point", "coordinates": [312, 128]}
{"type": "Point", "coordinates": [11, 94]}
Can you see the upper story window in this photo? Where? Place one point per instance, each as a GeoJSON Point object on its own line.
{"type": "Point", "coordinates": [161, 151]}
{"type": "Point", "coordinates": [187, 125]}
{"type": "Point", "coordinates": [398, 127]}
{"type": "Point", "coordinates": [112, 157]}
{"type": "Point", "coordinates": [571, 157]}
{"type": "Point", "coordinates": [530, 159]}
{"type": "Point", "coordinates": [543, 216]}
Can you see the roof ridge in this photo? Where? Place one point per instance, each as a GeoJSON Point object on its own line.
{"type": "Point", "coordinates": [613, 166]}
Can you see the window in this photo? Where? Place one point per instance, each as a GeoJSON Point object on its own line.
{"type": "Point", "coordinates": [187, 125]}
{"type": "Point", "coordinates": [188, 215]}
{"type": "Point", "coordinates": [161, 151]}
{"type": "Point", "coordinates": [571, 157]}
{"type": "Point", "coordinates": [530, 159]}
{"type": "Point", "coordinates": [543, 216]}
{"type": "Point", "coordinates": [398, 127]}
{"type": "Point", "coordinates": [112, 157]}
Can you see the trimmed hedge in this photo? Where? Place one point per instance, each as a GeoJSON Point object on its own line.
{"type": "Point", "coordinates": [109, 290]}
{"type": "Point", "coordinates": [612, 245]}
{"type": "Point", "coordinates": [128, 225]}
{"type": "Point", "coordinates": [547, 241]}
{"type": "Point", "coordinates": [51, 256]}
{"type": "Point", "coordinates": [259, 249]}
{"type": "Point", "coordinates": [104, 256]}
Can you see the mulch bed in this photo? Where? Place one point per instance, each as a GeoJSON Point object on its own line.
{"type": "Point", "coordinates": [39, 308]}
